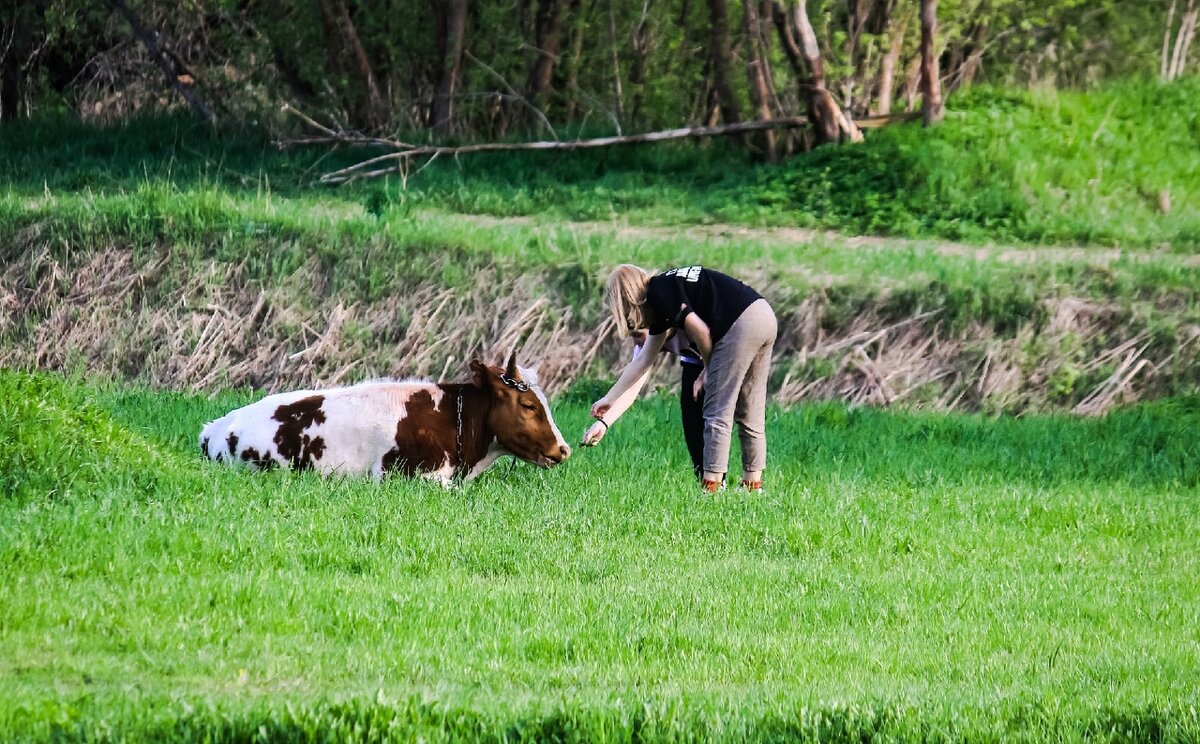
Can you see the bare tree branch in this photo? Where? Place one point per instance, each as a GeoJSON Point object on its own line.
{"type": "Point", "coordinates": [339, 135]}
{"type": "Point", "coordinates": [512, 91]}
{"type": "Point", "coordinates": [176, 77]}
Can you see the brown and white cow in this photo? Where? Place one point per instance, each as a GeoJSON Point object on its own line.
{"type": "Point", "coordinates": [374, 428]}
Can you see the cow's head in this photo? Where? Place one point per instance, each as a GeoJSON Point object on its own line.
{"type": "Point", "coordinates": [520, 415]}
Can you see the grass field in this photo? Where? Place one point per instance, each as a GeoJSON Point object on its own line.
{"type": "Point", "coordinates": [905, 577]}
{"type": "Point", "coordinates": [917, 574]}
{"type": "Point", "coordinates": [1035, 168]}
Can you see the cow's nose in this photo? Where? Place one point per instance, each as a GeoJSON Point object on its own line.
{"type": "Point", "coordinates": [565, 451]}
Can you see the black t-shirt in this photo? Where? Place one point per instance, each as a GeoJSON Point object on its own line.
{"type": "Point", "coordinates": [717, 298]}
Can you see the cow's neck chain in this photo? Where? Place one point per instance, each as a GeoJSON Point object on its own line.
{"type": "Point", "coordinates": [458, 432]}
{"type": "Point", "coordinates": [519, 385]}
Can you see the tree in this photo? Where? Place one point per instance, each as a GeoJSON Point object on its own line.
{"type": "Point", "coordinates": [1174, 67]}
{"type": "Point", "coordinates": [475, 69]}
{"type": "Point", "coordinates": [450, 22]}
{"type": "Point", "coordinates": [887, 67]}
{"type": "Point", "coordinates": [721, 60]}
{"type": "Point", "coordinates": [547, 40]}
{"type": "Point", "coordinates": [931, 87]}
{"type": "Point", "coordinates": [18, 51]}
{"type": "Point", "coordinates": [799, 41]}
{"type": "Point", "coordinates": [177, 76]}
{"type": "Point", "coordinates": [756, 72]}
{"type": "Point", "coordinates": [345, 52]}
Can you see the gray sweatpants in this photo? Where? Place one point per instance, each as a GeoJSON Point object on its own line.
{"type": "Point", "coordinates": [736, 390]}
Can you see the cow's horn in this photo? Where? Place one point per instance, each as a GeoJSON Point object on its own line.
{"type": "Point", "coordinates": [512, 373]}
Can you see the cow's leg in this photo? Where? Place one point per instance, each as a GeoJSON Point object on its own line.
{"type": "Point", "coordinates": [443, 475]}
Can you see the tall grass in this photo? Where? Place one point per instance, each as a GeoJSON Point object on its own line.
{"type": "Point", "coordinates": [905, 577]}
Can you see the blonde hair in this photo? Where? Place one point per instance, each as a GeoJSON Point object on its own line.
{"type": "Point", "coordinates": [625, 295]}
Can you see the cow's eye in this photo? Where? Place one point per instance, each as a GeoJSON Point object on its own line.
{"type": "Point", "coordinates": [528, 406]}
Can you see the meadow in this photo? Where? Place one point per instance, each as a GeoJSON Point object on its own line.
{"type": "Point", "coordinates": [1040, 167]}
{"type": "Point", "coordinates": [906, 576]}
{"type": "Point", "coordinates": [971, 563]}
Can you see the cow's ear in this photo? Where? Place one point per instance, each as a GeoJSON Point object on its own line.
{"type": "Point", "coordinates": [479, 373]}
{"type": "Point", "coordinates": [512, 372]}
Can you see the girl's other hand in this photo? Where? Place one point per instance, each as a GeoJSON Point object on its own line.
{"type": "Point", "coordinates": [698, 385]}
{"type": "Point", "coordinates": [594, 434]}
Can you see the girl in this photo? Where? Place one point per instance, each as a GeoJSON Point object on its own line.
{"type": "Point", "coordinates": [731, 326]}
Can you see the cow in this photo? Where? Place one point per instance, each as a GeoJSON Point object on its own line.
{"type": "Point", "coordinates": [441, 431]}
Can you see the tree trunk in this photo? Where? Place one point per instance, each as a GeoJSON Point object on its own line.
{"type": "Point", "coordinates": [756, 74]}
{"type": "Point", "coordinates": [858, 10]}
{"type": "Point", "coordinates": [177, 77]}
{"type": "Point", "coordinates": [684, 56]}
{"type": "Point", "coordinates": [1183, 40]}
{"type": "Point", "coordinates": [912, 83]}
{"type": "Point", "coordinates": [887, 68]}
{"type": "Point", "coordinates": [965, 63]}
{"type": "Point", "coordinates": [829, 121]}
{"type": "Point", "coordinates": [578, 27]}
{"type": "Point", "coordinates": [851, 85]}
{"type": "Point", "coordinates": [1187, 43]}
{"type": "Point", "coordinates": [1166, 45]}
{"type": "Point", "coordinates": [618, 96]}
{"type": "Point", "coordinates": [451, 19]}
{"type": "Point", "coordinates": [381, 165]}
{"type": "Point", "coordinates": [637, 71]}
{"type": "Point", "coordinates": [974, 61]}
{"type": "Point", "coordinates": [931, 87]}
{"type": "Point", "coordinates": [547, 40]}
{"type": "Point", "coordinates": [373, 113]}
{"type": "Point", "coordinates": [722, 60]}
{"type": "Point", "coordinates": [768, 52]}
{"type": "Point", "coordinates": [879, 20]}
{"type": "Point", "coordinates": [954, 60]}
{"type": "Point", "coordinates": [17, 55]}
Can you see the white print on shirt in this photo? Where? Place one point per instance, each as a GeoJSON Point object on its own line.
{"type": "Point", "coordinates": [689, 273]}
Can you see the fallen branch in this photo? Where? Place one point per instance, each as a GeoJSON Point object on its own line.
{"type": "Point", "coordinates": [404, 152]}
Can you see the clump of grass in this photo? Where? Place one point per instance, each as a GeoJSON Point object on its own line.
{"type": "Point", "coordinates": [55, 443]}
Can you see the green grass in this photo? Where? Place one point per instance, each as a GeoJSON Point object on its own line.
{"type": "Point", "coordinates": [368, 256]}
{"type": "Point", "coordinates": [905, 577]}
{"type": "Point", "coordinates": [1044, 167]}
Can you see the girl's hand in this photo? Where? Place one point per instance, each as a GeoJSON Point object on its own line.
{"type": "Point", "coordinates": [594, 434]}
{"type": "Point", "coordinates": [698, 386]}
{"type": "Point", "coordinates": [600, 407]}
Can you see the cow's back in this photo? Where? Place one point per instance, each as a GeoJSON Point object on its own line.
{"type": "Point", "coordinates": [347, 430]}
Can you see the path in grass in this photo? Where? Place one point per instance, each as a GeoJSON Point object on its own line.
{"type": "Point", "coordinates": [802, 237]}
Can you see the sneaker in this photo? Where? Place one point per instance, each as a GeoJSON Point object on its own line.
{"type": "Point", "coordinates": [751, 486]}
{"type": "Point", "coordinates": [711, 486]}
